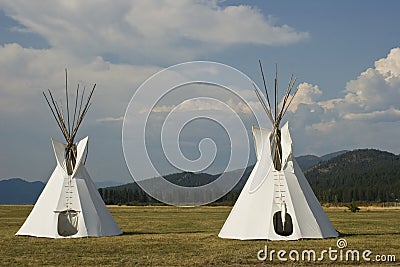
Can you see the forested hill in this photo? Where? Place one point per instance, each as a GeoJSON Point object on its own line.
{"type": "Point", "coordinates": [132, 194]}
{"type": "Point", "coordinates": [308, 161]}
{"type": "Point", "coordinates": [365, 175]}
{"type": "Point", "coordinates": [362, 175]}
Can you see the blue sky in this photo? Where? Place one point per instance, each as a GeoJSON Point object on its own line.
{"type": "Point", "coordinates": [344, 53]}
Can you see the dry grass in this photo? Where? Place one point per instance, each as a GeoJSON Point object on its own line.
{"type": "Point", "coordinates": [171, 236]}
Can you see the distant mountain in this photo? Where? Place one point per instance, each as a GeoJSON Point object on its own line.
{"type": "Point", "coordinates": [360, 175]}
{"type": "Point", "coordinates": [103, 184]}
{"type": "Point", "coordinates": [191, 179]}
{"type": "Point", "coordinates": [18, 191]}
{"type": "Point", "coordinates": [133, 194]}
{"type": "Point", "coordinates": [333, 155]}
{"type": "Point", "coordinates": [307, 161]}
{"type": "Point", "coordinates": [364, 175]}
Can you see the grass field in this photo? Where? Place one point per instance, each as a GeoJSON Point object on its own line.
{"type": "Point", "coordinates": [171, 236]}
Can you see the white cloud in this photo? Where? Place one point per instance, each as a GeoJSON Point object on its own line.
{"type": "Point", "coordinates": [110, 119]}
{"type": "Point", "coordinates": [389, 115]}
{"type": "Point", "coordinates": [376, 90]}
{"type": "Point", "coordinates": [366, 116]}
{"type": "Point", "coordinates": [205, 105]}
{"type": "Point", "coordinates": [162, 30]}
{"type": "Point", "coordinates": [28, 72]}
{"type": "Point", "coordinates": [389, 66]}
{"type": "Point", "coordinates": [372, 96]}
{"type": "Point", "coordinates": [307, 94]}
{"type": "Point", "coordinates": [160, 109]}
{"type": "Point", "coordinates": [330, 103]}
{"type": "Point", "coordinates": [323, 127]}
{"type": "Point", "coordinates": [91, 37]}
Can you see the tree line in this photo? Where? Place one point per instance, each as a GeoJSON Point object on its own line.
{"type": "Point", "coordinates": [365, 175]}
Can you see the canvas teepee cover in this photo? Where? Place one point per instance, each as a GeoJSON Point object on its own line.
{"type": "Point", "coordinates": [69, 205]}
{"type": "Point", "coordinates": [268, 193]}
{"type": "Point", "coordinates": [276, 203]}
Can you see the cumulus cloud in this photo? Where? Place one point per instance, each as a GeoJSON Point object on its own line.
{"type": "Point", "coordinates": [373, 95]}
{"type": "Point", "coordinates": [117, 46]}
{"type": "Point", "coordinates": [322, 127]}
{"type": "Point", "coordinates": [391, 114]}
{"type": "Point", "coordinates": [368, 110]}
{"type": "Point", "coordinates": [307, 94]}
{"type": "Point", "coordinates": [376, 90]}
{"type": "Point", "coordinates": [389, 66]}
{"type": "Point", "coordinates": [162, 30]}
{"type": "Point", "coordinates": [27, 72]}
{"type": "Point", "coordinates": [99, 41]}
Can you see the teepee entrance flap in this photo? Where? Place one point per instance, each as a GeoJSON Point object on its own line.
{"type": "Point", "coordinates": [67, 224]}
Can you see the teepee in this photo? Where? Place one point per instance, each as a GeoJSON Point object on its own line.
{"type": "Point", "coordinates": [70, 205]}
{"type": "Point", "coordinates": [276, 203]}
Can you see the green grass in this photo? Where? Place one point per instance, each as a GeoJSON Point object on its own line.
{"type": "Point", "coordinates": [171, 236]}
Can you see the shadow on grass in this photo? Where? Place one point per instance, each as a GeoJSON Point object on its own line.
{"type": "Point", "coordinates": [365, 234]}
{"type": "Point", "coordinates": [162, 233]}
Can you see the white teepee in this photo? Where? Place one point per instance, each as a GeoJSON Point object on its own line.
{"type": "Point", "coordinates": [276, 203]}
{"type": "Point", "coordinates": [70, 205]}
